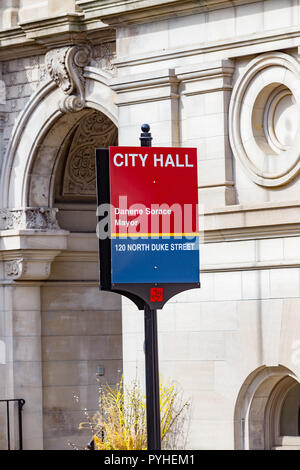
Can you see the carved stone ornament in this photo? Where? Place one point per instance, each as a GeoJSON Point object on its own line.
{"type": "Point", "coordinates": [35, 218]}
{"type": "Point", "coordinates": [65, 67]}
{"type": "Point", "coordinates": [14, 269]}
{"type": "Point", "coordinates": [264, 119]}
{"type": "Point", "coordinates": [21, 269]}
{"type": "Point", "coordinates": [94, 131]}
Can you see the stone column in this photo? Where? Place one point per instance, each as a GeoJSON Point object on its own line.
{"type": "Point", "coordinates": [205, 91]}
{"type": "Point", "coordinates": [29, 241]}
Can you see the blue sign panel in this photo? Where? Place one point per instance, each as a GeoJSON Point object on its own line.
{"type": "Point", "coordinates": [155, 260]}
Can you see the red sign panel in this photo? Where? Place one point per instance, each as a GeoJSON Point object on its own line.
{"type": "Point", "coordinates": [153, 191]}
{"type": "Point", "coordinates": [154, 215]}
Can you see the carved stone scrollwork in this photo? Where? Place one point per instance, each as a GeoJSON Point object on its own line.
{"type": "Point", "coordinates": [65, 67]}
{"type": "Point", "coordinates": [36, 218]}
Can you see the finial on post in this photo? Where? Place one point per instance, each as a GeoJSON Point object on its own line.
{"type": "Point", "coordinates": [145, 137]}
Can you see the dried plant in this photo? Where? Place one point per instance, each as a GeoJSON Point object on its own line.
{"type": "Point", "coordinates": [120, 422]}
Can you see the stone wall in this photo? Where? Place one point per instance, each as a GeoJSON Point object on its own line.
{"type": "Point", "coordinates": [81, 330]}
{"type": "Point", "coordinates": [20, 78]}
{"type": "Point", "coordinates": [212, 339]}
{"type": "Point", "coordinates": [185, 73]}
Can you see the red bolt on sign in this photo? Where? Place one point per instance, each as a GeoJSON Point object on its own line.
{"type": "Point", "coordinates": [156, 294]}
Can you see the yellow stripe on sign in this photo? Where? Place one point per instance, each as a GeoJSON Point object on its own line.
{"type": "Point", "coordinates": [155, 234]}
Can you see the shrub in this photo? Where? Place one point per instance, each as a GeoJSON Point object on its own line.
{"type": "Point", "coordinates": [120, 422]}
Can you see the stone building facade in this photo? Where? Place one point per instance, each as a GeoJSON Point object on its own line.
{"type": "Point", "coordinates": [219, 75]}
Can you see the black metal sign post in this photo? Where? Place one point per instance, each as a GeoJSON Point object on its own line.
{"type": "Point", "coordinates": [148, 296]}
{"type": "Point", "coordinates": [151, 355]}
{"type": "Point", "coordinates": [152, 379]}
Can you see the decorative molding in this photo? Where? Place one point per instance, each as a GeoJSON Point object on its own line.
{"type": "Point", "coordinates": [132, 11]}
{"type": "Point", "coordinates": [37, 36]}
{"type": "Point", "coordinates": [205, 78]}
{"type": "Point", "coordinates": [252, 233]}
{"type": "Point", "coordinates": [252, 129]}
{"type": "Point", "coordinates": [13, 269]}
{"type": "Point", "coordinates": [29, 267]}
{"type": "Point", "coordinates": [51, 29]}
{"type": "Point", "coordinates": [65, 67]}
{"type": "Point", "coordinates": [238, 222]}
{"type": "Point", "coordinates": [28, 254]}
{"type": "Point", "coordinates": [33, 37]}
{"type": "Point", "coordinates": [146, 87]}
{"type": "Point", "coordinates": [64, 30]}
{"type": "Point", "coordinates": [94, 131]}
{"type": "Point", "coordinates": [36, 218]}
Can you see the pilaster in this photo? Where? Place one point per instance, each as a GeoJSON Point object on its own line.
{"type": "Point", "coordinates": [205, 91]}
{"type": "Point", "coordinates": [2, 114]}
{"type": "Point", "coordinates": [152, 98]}
{"type": "Point", "coordinates": [30, 239]}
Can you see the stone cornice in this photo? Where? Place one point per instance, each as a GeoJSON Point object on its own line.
{"type": "Point", "coordinates": [163, 84]}
{"type": "Point", "coordinates": [279, 39]}
{"type": "Point", "coordinates": [14, 43]}
{"type": "Point", "coordinates": [254, 232]}
{"type": "Point", "coordinates": [28, 254]}
{"type": "Point", "coordinates": [30, 239]}
{"type": "Point", "coordinates": [155, 86]}
{"type": "Point", "coordinates": [36, 37]}
{"type": "Point", "coordinates": [94, 25]}
{"type": "Point", "coordinates": [53, 31]}
{"type": "Point", "coordinates": [206, 77]}
{"type": "Point", "coordinates": [29, 266]}
{"type": "Point", "coordinates": [131, 11]}
{"type": "Point", "coordinates": [268, 220]}
{"type": "Point", "coordinates": [144, 81]}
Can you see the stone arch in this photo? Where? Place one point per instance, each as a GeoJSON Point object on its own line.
{"type": "Point", "coordinates": [258, 407]}
{"type": "Point", "coordinates": [36, 125]}
{"type": "Point", "coordinates": [43, 252]}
